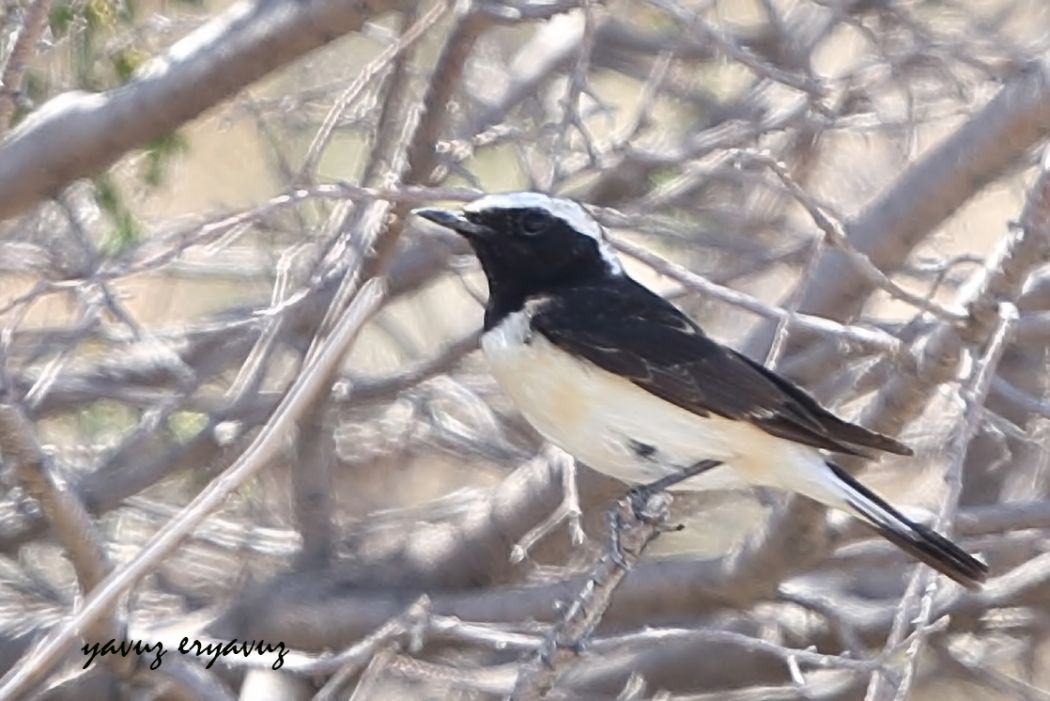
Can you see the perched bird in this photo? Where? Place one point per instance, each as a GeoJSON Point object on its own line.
{"type": "Point", "coordinates": [625, 382]}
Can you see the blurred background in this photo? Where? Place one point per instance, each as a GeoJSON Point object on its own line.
{"type": "Point", "coordinates": [205, 215]}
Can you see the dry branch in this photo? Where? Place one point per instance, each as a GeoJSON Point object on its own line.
{"type": "Point", "coordinates": [271, 440]}
{"type": "Point", "coordinates": [632, 533]}
{"type": "Point", "coordinates": [77, 134]}
{"type": "Point", "coordinates": [887, 230]}
{"type": "Point", "coordinates": [398, 481]}
{"type": "Point", "coordinates": [14, 68]}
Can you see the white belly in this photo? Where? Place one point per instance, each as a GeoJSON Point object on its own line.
{"type": "Point", "coordinates": [601, 418]}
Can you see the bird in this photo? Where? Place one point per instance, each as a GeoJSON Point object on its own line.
{"type": "Point", "coordinates": [625, 382]}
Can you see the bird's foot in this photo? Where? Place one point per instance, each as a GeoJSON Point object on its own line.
{"type": "Point", "coordinates": [639, 496]}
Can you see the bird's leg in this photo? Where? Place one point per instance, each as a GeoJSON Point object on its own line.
{"type": "Point", "coordinates": [639, 500]}
{"type": "Point", "coordinates": [640, 495]}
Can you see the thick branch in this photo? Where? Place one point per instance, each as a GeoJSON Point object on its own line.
{"type": "Point", "coordinates": [994, 139]}
{"type": "Point", "coordinates": [78, 134]}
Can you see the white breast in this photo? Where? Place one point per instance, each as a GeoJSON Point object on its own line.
{"type": "Point", "coordinates": [598, 416]}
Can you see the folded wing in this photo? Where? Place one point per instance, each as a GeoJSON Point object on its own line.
{"type": "Point", "coordinates": [641, 337]}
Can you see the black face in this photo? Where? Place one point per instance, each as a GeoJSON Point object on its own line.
{"type": "Point", "coordinates": [524, 251]}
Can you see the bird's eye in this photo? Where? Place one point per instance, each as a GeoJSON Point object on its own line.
{"type": "Point", "coordinates": [533, 223]}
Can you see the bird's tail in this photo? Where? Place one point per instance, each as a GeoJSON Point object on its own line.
{"type": "Point", "coordinates": [917, 540]}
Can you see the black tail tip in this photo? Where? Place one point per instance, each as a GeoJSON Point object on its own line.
{"type": "Point", "coordinates": [921, 542]}
{"type": "Point", "coordinates": [930, 547]}
{"type": "Point", "coordinates": [948, 558]}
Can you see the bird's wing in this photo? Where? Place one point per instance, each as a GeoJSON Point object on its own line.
{"type": "Point", "coordinates": [636, 334]}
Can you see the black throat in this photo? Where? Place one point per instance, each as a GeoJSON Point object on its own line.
{"type": "Point", "coordinates": [510, 289]}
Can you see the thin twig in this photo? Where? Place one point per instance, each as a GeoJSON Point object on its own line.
{"type": "Point", "coordinates": [348, 663]}
{"type": "Point", "coordinates": [366, 75]}
{"type": "Point", "coordinates": [268, 443]}
{"type": "Point", "coordinates": [632, 534]}
{"type": "Point", "coordinates": [33, 26]}
{"type": "Point", "coordinates": [835, 234]}
{"type": "Point", "coordinates": [974, 395]}
{"type": "Point", "coordinates": [567, 511]}
{"type": "Point", "coordinates": [868, 338]}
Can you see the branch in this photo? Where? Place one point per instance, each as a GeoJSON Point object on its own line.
{"type": "Point", "coordinates": [11, 80]}
{"type": "Point", "coordinates": [631, 535]}
{"type": "Point", "coordinates": [78, 134]}
{"type": "Point", "coordinates": [975, 394]}
{"type": "Point", "coordinates": [75, 532]}
{"type": "Point", "coordinates": [937, 357]}
{"type": "Point", "coordinates": [328, 608]}
{"type": "Point", "coordinates": [865, 337]}
{"type": "Point", "coordinates": [995, 138]}
{"type": "Point", "coordinates": [302, 395]}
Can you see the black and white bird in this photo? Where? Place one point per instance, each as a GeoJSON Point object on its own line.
{"type": "Point", "coordinates": [622, 380]}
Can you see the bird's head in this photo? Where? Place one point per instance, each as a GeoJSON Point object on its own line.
{"type": "Point", "coordinates": [530, 243]}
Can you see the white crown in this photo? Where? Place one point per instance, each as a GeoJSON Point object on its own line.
{"type": "Point", "coordinates": [568, 211]}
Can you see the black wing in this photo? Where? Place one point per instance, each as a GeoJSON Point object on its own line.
{"type": "Point", "coordinates": [628, 330]}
